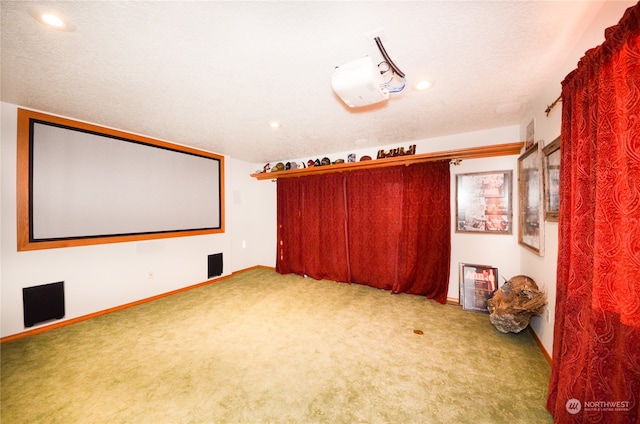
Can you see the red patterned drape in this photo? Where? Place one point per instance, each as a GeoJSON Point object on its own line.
{"type": "Point", "coordinates": [386, 228]}
{"type": "Point", "coordinates": [596, 368]}
{"type": "Point", "coordinates": [426, 218]}
{"type": "Point", "coordinates": [289, 215]}
{"type": "Point", "coordinates": [312, 228]}
{"type": "Point", "coordinates": [324, 228]}
{"type": "Point", "coordinates": [375, 225]}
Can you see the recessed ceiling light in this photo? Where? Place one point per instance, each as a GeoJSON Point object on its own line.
{"type": "Point", "coordinates": [51, 18]}
{"type": "Point", "coordinates": [274, 124]}
{"type": "Point", "coordinates": [423, 85]}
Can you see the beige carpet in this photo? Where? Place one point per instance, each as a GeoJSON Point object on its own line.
{"type": "Point", "coordinates": [261, 347]}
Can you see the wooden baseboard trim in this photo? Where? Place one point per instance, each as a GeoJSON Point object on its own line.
{"type": "Point", "coordinates": [271, 268]}
{"type": "Point", "coordinates": [453, 301]}
{"type": "Point", "coordinates": [120, 307]}
{"type": "Point", "coordinates": [541, 346]}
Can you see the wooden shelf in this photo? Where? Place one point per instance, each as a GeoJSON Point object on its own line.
{"type": "Point", "coordinates": [470, 153]}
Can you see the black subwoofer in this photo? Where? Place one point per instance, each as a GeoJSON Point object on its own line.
{"type": "Point", "coordinates": [214, 265]}
{"type": "Point", "coordinates": [43, 303]}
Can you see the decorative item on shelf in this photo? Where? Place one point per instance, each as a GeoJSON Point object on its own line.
{"type": "Point", "coordinates": [337, 161]}
{"type": "Point", "coordinates": [266, 168]}
{"type": "Point", "coordinates": [293, 165]}
{"type": "Point", "coordinates": [279, 167]}
{"type": "Point", "coordinates": [287, 166]}
{"type": "Point", "coordinates": [513, 304]}
{"type": "Point", "coordinates": [325, 161]}
{"type": "Point", "coordinates": [351, 157]}
{"type": "Point", "coordinates": [463, 154]}
{"type": "Point", "coordinates": [316, 162]}
{"type": "Point", "coordinates": [399, 151]}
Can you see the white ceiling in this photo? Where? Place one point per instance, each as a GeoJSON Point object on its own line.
{"type": "Point", "coordinates": [212, 75]}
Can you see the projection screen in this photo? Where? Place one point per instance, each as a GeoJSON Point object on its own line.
{"type": "Point", "coordinates": [83, 184]}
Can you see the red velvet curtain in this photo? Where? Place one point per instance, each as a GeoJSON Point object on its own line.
{"type": "Point", "coordinates": [386, 228]}
{"type": "Point", "coordinates": [424, 249]}
{"type": "Point", "coordinates": [596, 369]}
{"type": "Point", "coordinates": [289, 216]}
{"type": "Point", "coordinates": [375, 225]}
{"type": "Point", "coordinates": [324, 227]}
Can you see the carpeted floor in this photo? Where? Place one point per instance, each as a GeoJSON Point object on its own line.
{"type": "Point", "coordinates": [262, 347]}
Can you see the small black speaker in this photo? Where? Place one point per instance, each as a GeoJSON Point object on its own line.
{"type": "Point", "coordinates": [43, 303]}
{"type": "Point", "coordinates": [215, 265]}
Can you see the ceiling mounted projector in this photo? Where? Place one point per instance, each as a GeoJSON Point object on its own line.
{"type": "Point", "coordinates": [359, 83]}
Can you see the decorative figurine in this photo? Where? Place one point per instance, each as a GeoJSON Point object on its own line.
{"type": "Point", "coordinates": [397, 152]}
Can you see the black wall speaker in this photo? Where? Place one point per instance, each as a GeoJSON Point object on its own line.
{"type": "Point", "coordinates": [43, 303]}
{"type": "Point", "coordinates": [214, 265]}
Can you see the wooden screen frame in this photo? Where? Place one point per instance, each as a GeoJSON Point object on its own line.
{"type": "Point", "coordinates": [25, 240]}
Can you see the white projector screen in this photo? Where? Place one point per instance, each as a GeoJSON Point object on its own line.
{"type": "Point", "coordinates": [89, 185]}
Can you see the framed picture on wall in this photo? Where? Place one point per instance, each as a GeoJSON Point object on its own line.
{"type": "Point", "coordinates": [530, 204]}
{"type": "Point", "coordinates": [552, 180]}
{"type": "Point", "coordinates": [530, 136]}
{"type": "Point", "coordinates": [483, 202]}
{"type": "Point", "coordinates": [477, 285]}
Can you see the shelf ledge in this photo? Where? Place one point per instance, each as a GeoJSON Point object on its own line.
{"type": "Point", "coordinates": [493, 150]}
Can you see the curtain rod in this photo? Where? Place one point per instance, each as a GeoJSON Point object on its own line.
{"type": "Point", "coordinates": [552, 105]}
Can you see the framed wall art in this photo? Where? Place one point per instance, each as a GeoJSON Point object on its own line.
{"type": "Point", "coordinates": [530, 205]}
{"type": "Point", "coordinates": [530, 135]}
{"type": "Point", "coordinates": [552, 180]}
{"type": "Point", "coordinates": [477, 285]}
{"type": "Point", "coordinates": [483, 202]}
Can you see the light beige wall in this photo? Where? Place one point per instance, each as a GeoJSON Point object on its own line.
{"type": "Point", "coordinates": [253, 220]}
{"type": "Point", "coordinates": [105, 276]}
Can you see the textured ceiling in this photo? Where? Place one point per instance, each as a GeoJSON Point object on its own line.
{"type": "Point", "coordinates": [212, 75]}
